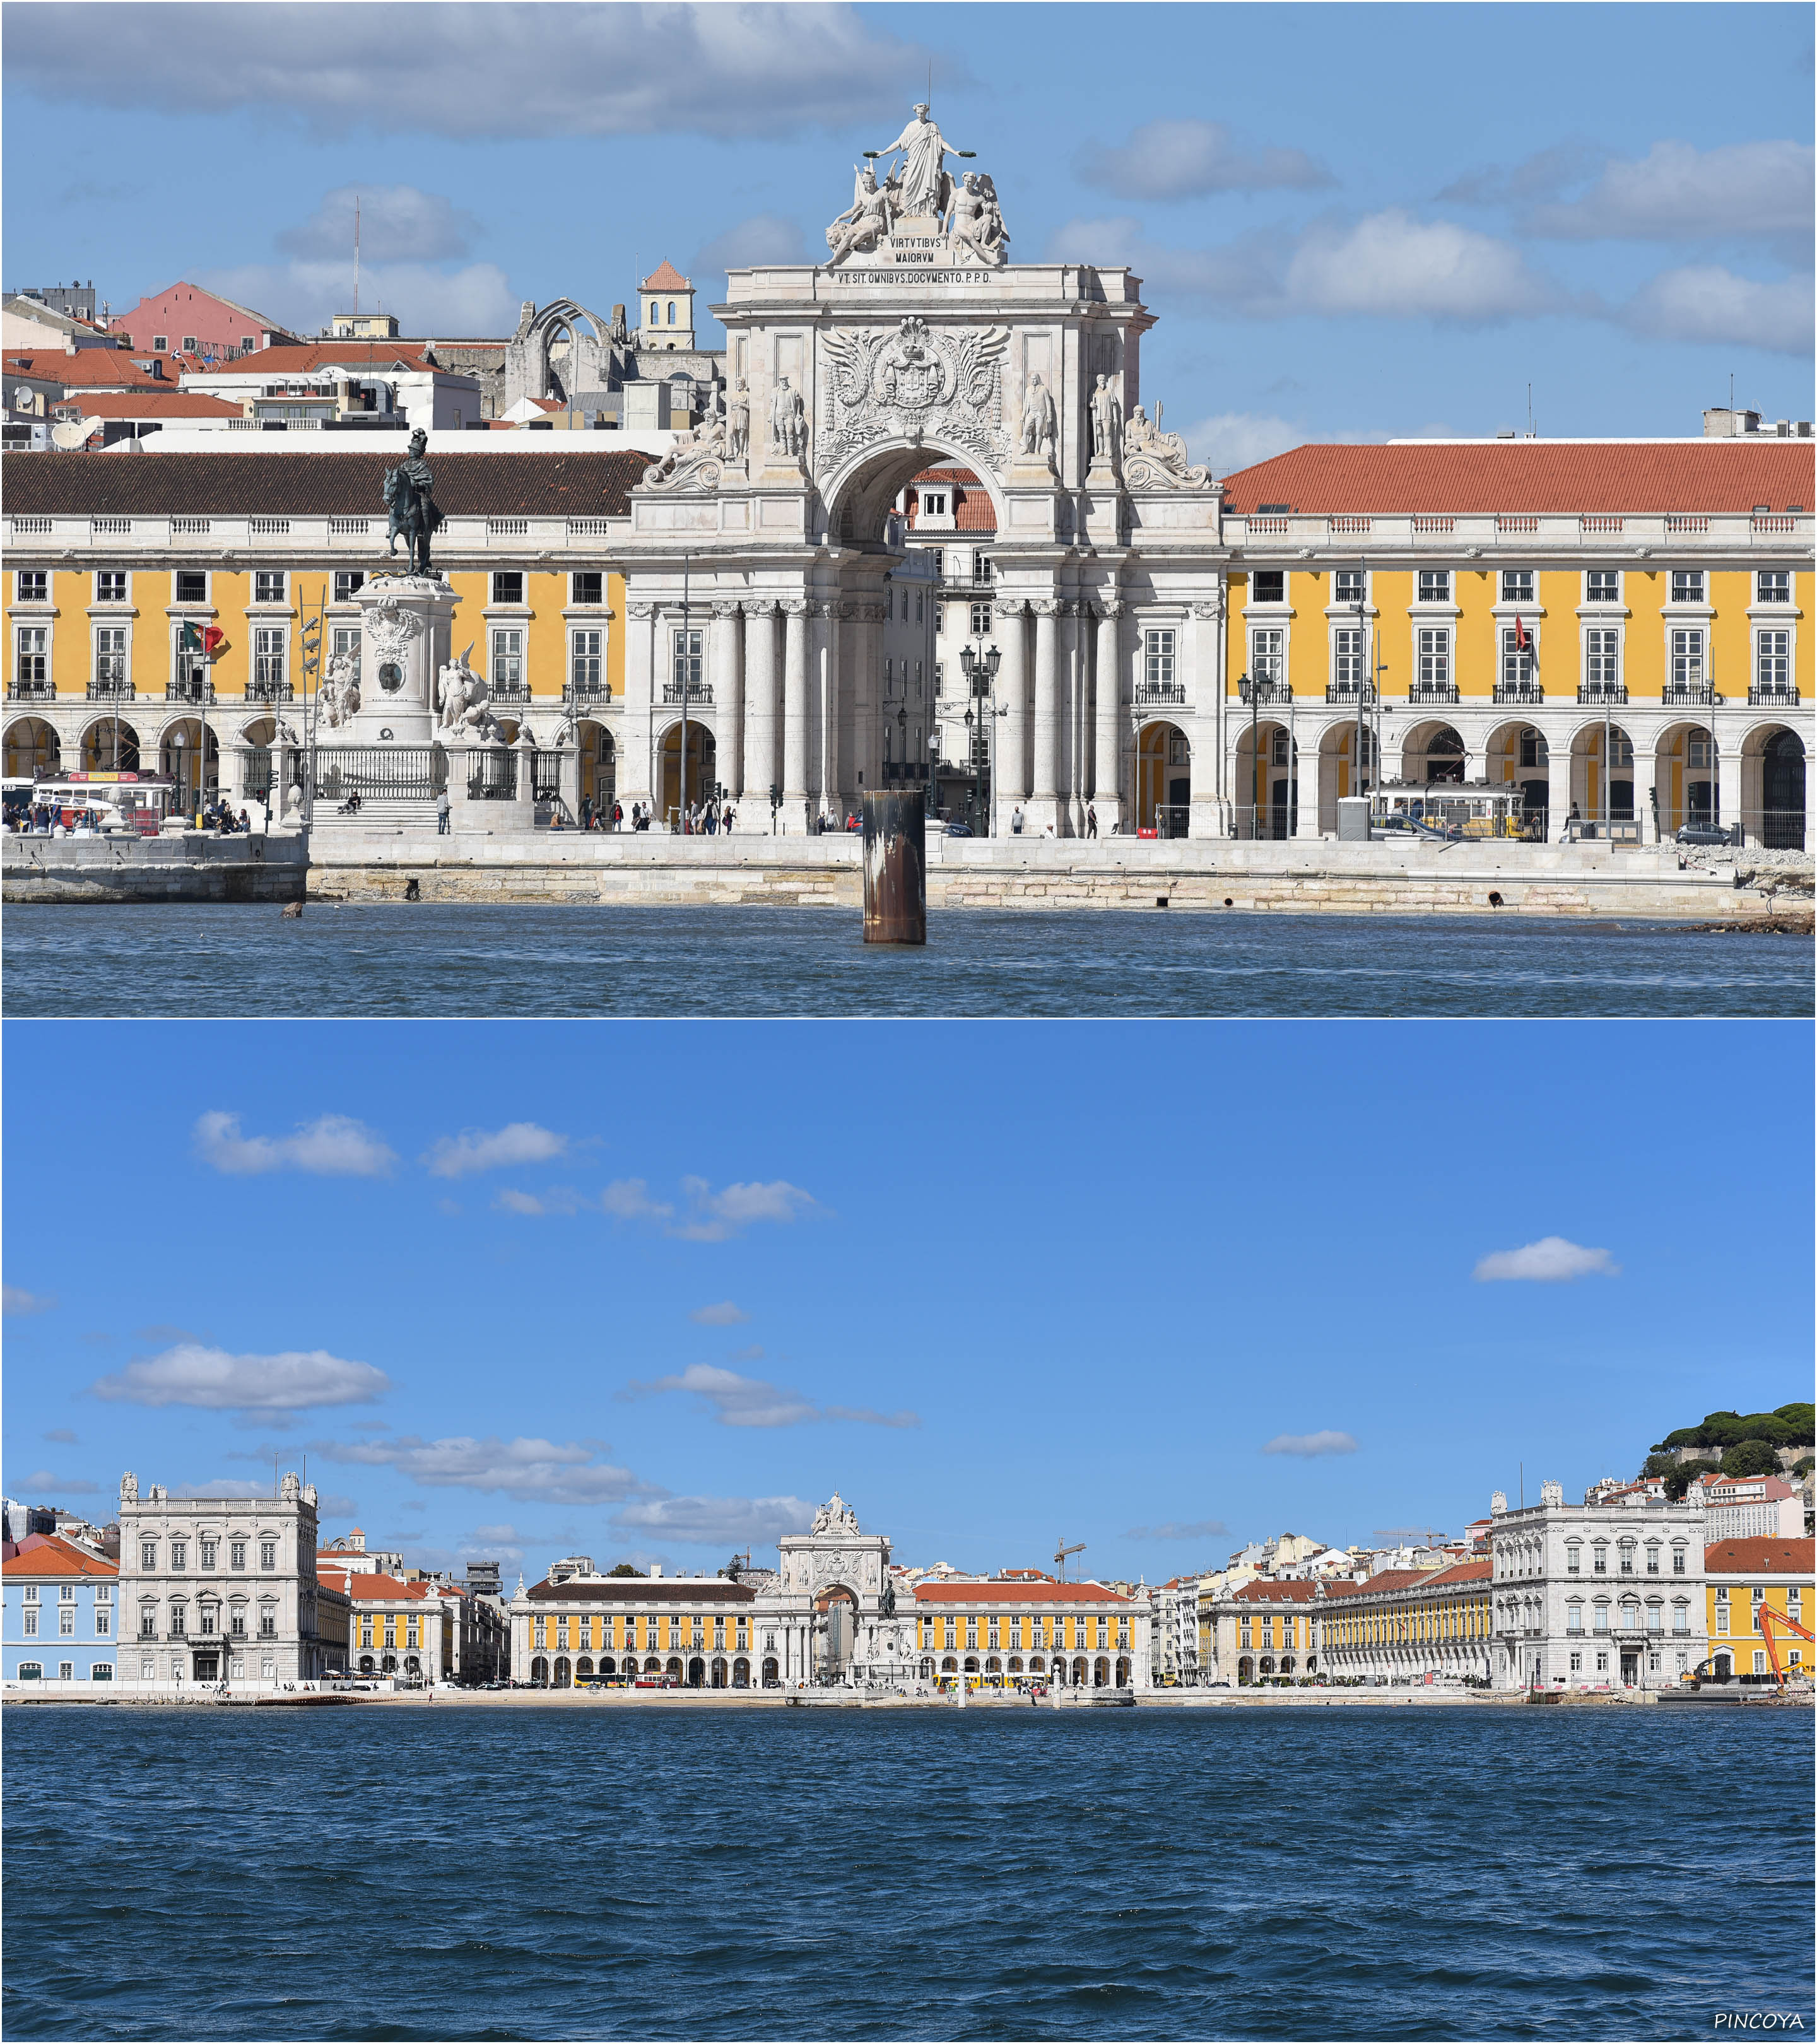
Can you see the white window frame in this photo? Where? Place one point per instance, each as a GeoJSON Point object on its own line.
{"type": "Point", "coordinates": [344, 642]}
{"type": "Point", "coordinates": [1517, 669]}
{"type": "Point", "coordinates": [259, 575]}
{"type": "Point", "coordinates": [505, 656]}
{"type": "Point", "coordinates": [113, 643]}
{"type": "Point", "coordinates": [19, 593]}
{"type": "Point", "coordinates": [1350, 650]}
{"type": "Point", "coordinates": [1759, 594]}
{"type": "Point", "coordinates": [1160, 655]}
{"type": "Point", "coordinates": [1687, 647]}
{"type": "Point", "coordinates": [1595, 596]}
{"type": "Point", "coordinates": [125, 578]}
{"type": "Point", "coordinates": [1674, 595]}
{"type": "Point", "coordinates": [1268, 654]}
{"type": "Point", "coordinates": [1529, 595]}
{"type": "Point", "coordinates": [1349, 601]}
{"type": "Point", "coordinates": [586, 648]}
{"type": "Point", "coordinates": [1779, 656]}
{"type": "Point", "coordinates": [1433, 655]}
{"type": "Point", "coordinates": [1602, 655]}
{"type": "Point", "coordinates": [1443, 595]}
{"type": "Point", "coordinates": [271, 655]}
{"type": "Point", "coordinates": [31, 648]}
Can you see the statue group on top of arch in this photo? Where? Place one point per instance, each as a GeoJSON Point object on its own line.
{"type": "Point", "coordinates": [919, 194]}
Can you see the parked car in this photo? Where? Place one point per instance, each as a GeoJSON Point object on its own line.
{"type": "Point", "coordinates": [1386, 830]}
{"type": "Point", "coordinates": [959, 830]}
{"type": "Point", "coordinates": [1703, 834]}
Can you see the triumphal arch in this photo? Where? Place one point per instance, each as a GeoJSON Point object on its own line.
{"type": "Point", "coordinates": [759, 558]}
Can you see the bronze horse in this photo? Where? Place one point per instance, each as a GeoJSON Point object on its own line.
{"type": "Point", "coordinates": [414, 513]}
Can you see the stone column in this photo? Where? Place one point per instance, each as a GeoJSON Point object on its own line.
{"type": "Point", "coordinates": [1206, 819]}
{"type": "Point", "coordinates": [795, 715]}
{"type": "Point", "coordinates": [760, 772]}
{"type": "Point", "coordinates": [838, 638]}
{"type": "Point", "coordinates": [1043, 802]}
{"type": "Point", "coordinates": [1108, 798]}
{"type": "Point", "coordinates": [1307, 824]}
{"type": "Point", "coordinates": [633, 761]}
{"type": "Point", "coordinates": [1558, 789]}
{"type": "Point", "coordinates": [820, 703]}
{"type": "Point", "coordinates": [1728, 778]}
{"type": "Point", "coordinates": [728, 696]}
{"type": "Point", "coordinates": [1074, 702]}
{"type": "Point", "coordinates": [1011, 751]}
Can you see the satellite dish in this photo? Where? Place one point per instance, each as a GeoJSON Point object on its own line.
{"type": "Point", "coordinates": [70, 434]}
{"type": "Point", "coordinates": [23, 398]}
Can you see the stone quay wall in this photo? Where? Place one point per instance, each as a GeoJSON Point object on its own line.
{"type": "Point", "coordinates": [628, 870]}
{"type": "Point", "coordinates": [191, 865]}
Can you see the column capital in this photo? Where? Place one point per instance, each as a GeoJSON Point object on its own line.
{"type": "Point", "coordinates": [1108, 609]}
{"type": "Point", "coordinates": [760, 606]}
{"type": "Point", "coordinates": [1208, 612]}
{"type": "Point", "coordinates": [640, 611]}
{"type": "Point", "coordinates": [793, 606]}
{"type": "Point", "coordinates": [1045, 606]}
{"type": "Point", "coordinates": [726, 610]}
{"type": "Point", "coordinates": [1012, 606]}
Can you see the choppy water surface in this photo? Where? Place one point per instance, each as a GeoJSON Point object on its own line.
{"type": "Point", "coordinates": [393, 959]}
{"type": "Point", "coordinates": [552, 1873]}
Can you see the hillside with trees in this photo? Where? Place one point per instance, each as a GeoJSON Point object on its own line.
{"type": "Point", "coordinates": [1737, 1444]}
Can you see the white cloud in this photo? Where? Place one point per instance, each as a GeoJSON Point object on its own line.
{"type": "Point", "coordinates": [539, 1471]}
{"type": "Point", "coordinates": [748, 1401]}
{"type": "Point", "coordinates": [61, 1435]}
{"type": "Point", "coordinates": [213, 1379]}
{"type": "Point", "coordinates": [1327, 1443]}
{"type": "Point", "coordinates": [511, 1201]}
{"type": "Point", "coordinates": [43, 1482]}
{"type": "Point", "coordinates": [395, 221]}
{"type": "Point", "coordinates": [1175, 1529]}
{"type": "Point", "coordinates": [548, 70]}
{"type": "Point", "coordinates": [1677, 192]}
{"type": "Point", "coordinates": [226, 1486]}
{"type": "Point", "coordinates": [1550, 1260]}
{"type": "Point", "coordinates": [1706, 303]}
{"type": "Point", "coordinates": [1165, 159]}
{"type": "Point", "coordinates": [303, 295]}
{"type": "Point", "coordinates": [1234, 439]}
{"type": "Point", "coordinates": [1389, 265]}
{"type": "Point", "coordinates": [724, 1315]}
{"type": "Point", "coordinates": [715, 1216]}
{"type": "Point", "coordinates": [483, 1150]}
{"type": "Point", "coordinates": [628, 1199]}
{"type": "Point", "coordinates": [765, 237]}
{"type": "Point", "coordinates": [336, 1146]}
{"type": "Point", "coordinates": [16, 1301]}
{"type": "Point", "coordinates": [718, 1522]}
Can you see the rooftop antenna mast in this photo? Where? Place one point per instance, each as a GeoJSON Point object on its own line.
{"type": "Point", "coordinates": [356, 254]}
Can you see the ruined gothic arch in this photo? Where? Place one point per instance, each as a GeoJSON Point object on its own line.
{"type": "Point", "coordinates": [527, 371]}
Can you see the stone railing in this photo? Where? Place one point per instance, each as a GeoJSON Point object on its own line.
{"type": "Point", "coordinates": [1453, 536]}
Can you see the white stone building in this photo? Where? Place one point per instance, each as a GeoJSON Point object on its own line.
{"type": "Point", "coordinates": [1586, 1596]}
{"type": "Point", "coordinates": [218, 1589]}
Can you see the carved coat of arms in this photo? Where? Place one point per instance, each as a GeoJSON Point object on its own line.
{"type": "Point", "coordinates": [912, 382]}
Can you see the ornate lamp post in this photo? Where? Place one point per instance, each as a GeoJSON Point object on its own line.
{"type": "Point", "coordinates": [981, 680]}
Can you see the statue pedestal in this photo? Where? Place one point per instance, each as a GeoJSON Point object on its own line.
{"type": "Point", "coordinates": [406, 622]}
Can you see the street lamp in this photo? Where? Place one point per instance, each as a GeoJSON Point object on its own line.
{"type": "Point", "coordinates": [1244, 682]}
{"type": "Point", "coordinates": [980, 671]}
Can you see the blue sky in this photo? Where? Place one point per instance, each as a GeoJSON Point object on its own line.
{"type": "Point", "coordinates": [1354, 221]}
{"type": "Point", "coordinates": [653, 1290]}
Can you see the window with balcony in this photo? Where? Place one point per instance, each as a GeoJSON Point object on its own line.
{"type": "Point", "coordinates": [981, 569]}
{"type": "Point", "coordinates": [267, 1625]}
{"type": "Point", "coordinates": [1687, 658]}
{"type": "Point", "coordinates": [687, 663]}
{"type": "Point", "coordinates": [210, 1554]}
{"type": "Point", "coordinates": [1773, 662]}
{"type": "Point", "coordinates": [1652, 1557]}
{"type": "Point", "coordinates": [507, 586]}
{"type": "Point", "coordinates": [1517, 584]}
{"type": "Point", "coordinates": [271, 659]}
{"type": "Point", "coordinates": [32, 585]}
{"type": "Point", "coordinates": [1270, 586]}
{"type": "Point", "coordinates": [586, 662]}
{"type": "Point", "coordinates": [1600, 1561]}
{"type": "Point", "coordinates": [270, 585]}
{"type": "Point", "coordinates": [1347, 657]}
{"type": "Point", "coordinates": [111, 585]}
{"type": "Point", "coordinates": [1573, 1558]}
{"type": "Point", "coordinates": [31, 660]}
{"type": "Point", "coordinates": [1434, 658]}
{"type": "Point", "coordinates": [1602, 1618]}
{"type": "Point", "coordinates": [1158, 659]}
{"type": "Point", "coordinates": [505, 673]}
{"type": "Point", "coordinates": [348, 584]}
{"type": "Point", "coordinates": [1347, 586]}
{"type": "Point", "coordinates": [147, 1624]}
{"type": "Point", "coordinates": [1268, 656]}
{"type": "Point", "coordinates": [1773, 586]}
{"type": "Point", "coordinates": [1602, 660]}
{"type": "Point", "coordinates": [1434, 585]}
{"type": "Point", "coordinates": [1687, 585]}
{"type": "Point", "coordinates": [1602, 585]}
{"type": "Point", "coordinates": [236, 1625]}
{"type": "Point", "coordinates": [587, 585]}
{"type": "Point", "coordinates": [1517, 659]}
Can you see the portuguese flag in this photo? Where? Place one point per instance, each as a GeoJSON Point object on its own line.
{"type": "Point", "coordinates": [191, 640]}
{"type": "Point", "coordinates": [206, 640]}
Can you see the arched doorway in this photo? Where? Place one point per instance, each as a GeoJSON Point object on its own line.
{"type": "Point", "coordinates": [1519, 753]}
{"type": "Point", "coordinates": [583, 1669]}
{"type": "Point", "coordinates": [1685, 777]}
{"type": "Point", "coordinates": [564, 1671]}
{"type": "Point", "coordinates": [703, 760]}
{"type": "Point", "coordinates": [1265, 784]}
{"type": "Point", "coordinates": [718, 1675]}
{"type": "Point", "coordinates": [32, 747]}
{"type": "Point", "coordinates": [1245, 1671]}
{"type": "Point", "coordinates": [1431, 752]}
{"type": "Point", "coordinates": [1122, 1674]}
{"type": "Point", "coordinates": [839, 1610]}
{"type": "Point", "coordinates": [599, 771]}
{"type": "Point", "coordinates": [367, 1665]}
{"type": "Point", "coordinates": [1780, 823]}
{"type": "Point", "coordinates": [741, 1674]}
{"type": "Point", "coordinates": [697, 1673]}
{"type": "Point", "coordinates": [540, 1672]}
{"type": "Point", "coordinates": [772, 1672]}
{"type": "Point", "coordinates": [1603, 792]}
{"type": "Point", "coordinates": [672, 1670]}
{"type": "Point", "coordinates": [1100, 1673]}
{"type": "Point", "coordinates": [180, 753]}
{"type": "Point", "coordinates": [1163, 779]}
{"type": "Point", "coordinates": [110, 745]}
{"type": "Point", "coordinates": [1081, 1672]}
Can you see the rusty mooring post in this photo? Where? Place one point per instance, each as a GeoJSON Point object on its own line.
{"type": "Point", "coordinates": [895, 869]}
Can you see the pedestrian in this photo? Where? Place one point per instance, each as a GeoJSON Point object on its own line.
{"type": "Point", "coordinates": [1091, 819]}
{"type": "Point", "coordinates": [731, 815]}
{"type": "Point", "coordinates": [442, 811]}
{"type": "Point", "coordinates": [1016, 821]}
{"type": "Point", "coordinates": [617, 814]}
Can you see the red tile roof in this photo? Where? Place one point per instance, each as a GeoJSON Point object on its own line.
{"type": "Point", "coordinates": [152, 405]}
{"type": "Point", "coordinates": [973, 510]}
{"type": "Point", "coordinates": [998, 1590]}
{"type": "Point", "coordinates": [1532, 476]}
{"type": "Point", "coordinates": [1760, 1558]}
{"type": "Point", "coordinates": [1462, 1572]}
{"type": "Point", "coordinates": [366, 1585]}
{"type": "Point", "coordinates": [1395, 1579]}
{"type": "Point", "coordinates": [665, 277]}
{"type": "Point", "coordinates": [50, 1554]}
{"type": "Point", "coordinates": [371, 356]}
{"type": "Point", "coordinates": [101, 369]}
{"type": "Point", "coordinates": [1266, 1590]}
{"type": "Point", "coordinates": [1769, 1487]}
{"type": "Point", "coordinates": [306, 484]}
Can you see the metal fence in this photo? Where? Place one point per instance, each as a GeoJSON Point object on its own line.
{"type": "Point", "coordinates": [491, 774]}
{"type": "Point", "coordinates": [378, 772]}
{"type": "Point", "coordinates": [1252, 821]}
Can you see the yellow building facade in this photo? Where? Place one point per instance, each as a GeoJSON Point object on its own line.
{"type": "Point", "coordinates": [1743, 1581]}
{"type": "Point", "coordinates": [1024, 1627]}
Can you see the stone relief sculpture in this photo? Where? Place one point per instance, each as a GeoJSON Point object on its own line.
{"type": "Point", "coordinates": [922, 179]}
{"type": "Point", "coordinates": [1155, 460]}
{"type": "Point", "coordinates": [408, 496]}
{"type": "Point", "coordinates": [788, 422]}
{"type": "Point", "coordinates": [867, 220]}
{"type": "Point", "coordinates": [1107, 421]}
{"type": "Point", "coordinates": [338, 699]}
{"type": "Point", "coordinates": [390, 628]}
{"type": "Point", "coordinates": [462, 698]}
{"type": "Point", "coordinates": [913, 382]}
{"type": "Point", "coordinates": [696, 461]}
{"type": "Point", "coordinates": [1038, 424]}
{"type": "Point", "coordinates": [977, 223]}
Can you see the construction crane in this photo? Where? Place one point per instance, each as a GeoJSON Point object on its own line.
{"type": "Point", "coordinates": [1769, 1618]}
{"type": "Point", "coordinates": [1060, 1554]}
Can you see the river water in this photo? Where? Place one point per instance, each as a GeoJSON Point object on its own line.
{"type": "Point", "coordinates": [1291, 1874]}
{"type": "Point", "coordinates": [485, 961]}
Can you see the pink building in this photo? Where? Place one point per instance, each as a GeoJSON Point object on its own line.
{"type": "Point", "coordinates": [186, 320]}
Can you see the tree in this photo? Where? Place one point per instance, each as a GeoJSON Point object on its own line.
{"type": "Point", "coordinates": [1751, 1458]}
{"type": "Point", "coordinates": [624, 1569]}
{"type": "Point", "coordinates": [1803, 1419]}
{"type": "Point", "coordinates": [1679, 1478]}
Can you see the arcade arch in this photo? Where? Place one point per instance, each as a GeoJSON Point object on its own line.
{"type": "Point", "coordinates": [32, 747]}
{"type": "Point", "coordinates": [1268, 779]}
{"type": "Point", "coordinates": [110, 745]}
{"type": "Point", "coordinates": [1774, 771]}
{"type": "Point", "coordinates": [1163, 779]}
{"type": "Point", "coordinates": [1431, 752]}
{"type": "Point", "coordinates": [703, 765]}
